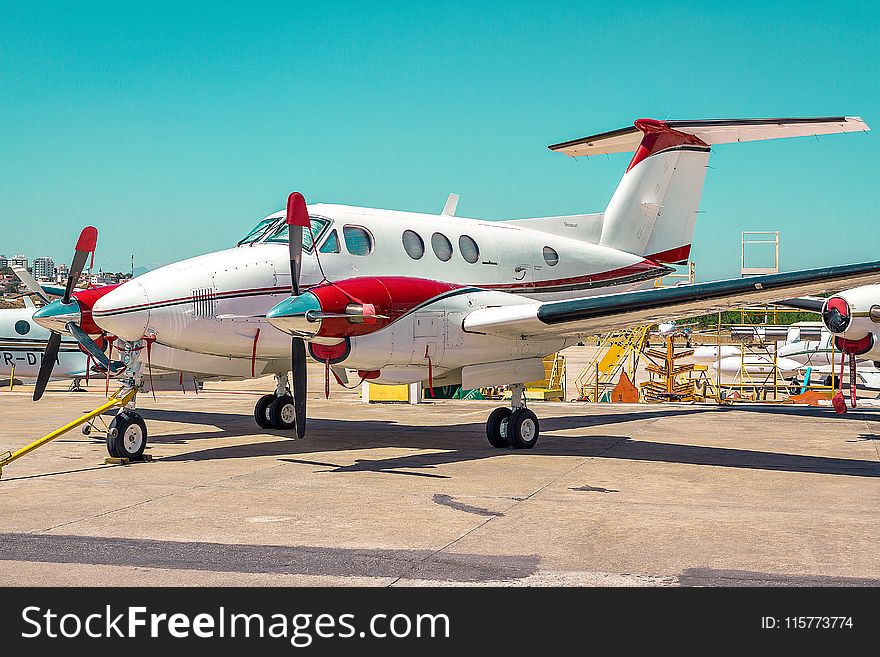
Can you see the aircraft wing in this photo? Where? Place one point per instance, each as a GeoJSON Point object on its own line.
{"type": "Point", "coordinates": [591, 315]}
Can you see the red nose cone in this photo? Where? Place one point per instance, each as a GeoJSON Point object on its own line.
{"type": "Point", "coordinates": [840, 305]}
{"type": "Point", "coordinates": [86, 299]}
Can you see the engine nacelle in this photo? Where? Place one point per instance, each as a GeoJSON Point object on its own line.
{"type": "Point", "coordinates": [853, 317]}
{"type": "Point", "coordinates": [331, 312]}
{"type": "Point", "coordinates": [402, 329]}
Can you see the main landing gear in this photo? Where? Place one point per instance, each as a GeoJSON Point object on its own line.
{"type": "Point", "coordinates": [276, 411]}
{"type": "Point", "coordinates": [513, 427]}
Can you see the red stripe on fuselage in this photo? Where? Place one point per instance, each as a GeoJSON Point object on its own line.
{"type": "Point", "coordinates": [677, 256]}
{"type": "Point", "coordinates": [587, 280]}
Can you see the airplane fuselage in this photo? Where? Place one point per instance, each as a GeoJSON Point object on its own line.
{"type": "Point", "coordinates": [215, 303]}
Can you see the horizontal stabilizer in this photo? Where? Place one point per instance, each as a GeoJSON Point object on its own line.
{"type": "Point", "coordinates": [713, 131]}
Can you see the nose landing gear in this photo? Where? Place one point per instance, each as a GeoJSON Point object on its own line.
{"type": "Point", "coordinates": [276, 411]}
{"type": "Point", "coordinates": [127, 436]}
{"type": "Point", "coordinates": [515, 427]}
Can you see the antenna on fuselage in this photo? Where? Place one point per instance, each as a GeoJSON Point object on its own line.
{"type": "Point", "coordinates": [451, 204]}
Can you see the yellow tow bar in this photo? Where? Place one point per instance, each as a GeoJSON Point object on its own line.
{"type": "Point", "coordinates": [119, 398]}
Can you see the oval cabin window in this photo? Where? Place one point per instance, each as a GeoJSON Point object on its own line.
{"type": "Point", "coordinates": [413, 244]}
{"type": "Point", "coordinates": [442, 246]}
{"type": "Point", "coordinates": [550, 256]}
{"type": "Point", "coordinates": [469, 249]}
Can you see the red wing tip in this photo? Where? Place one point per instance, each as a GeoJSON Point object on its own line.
{"type": "Point", "coordinates": [297, 210]}
{"type": "Point", "coordinates": [88, 239]}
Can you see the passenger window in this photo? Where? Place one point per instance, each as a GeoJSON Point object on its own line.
{"type": "Point", "coordinates": [442, 246]}
{"type": "Point", "coordinates": [469, 249]}
{"type": "Point", "coordinates": [331, 244]}
{"type": "Point", "coordinates": [551, 257]}
{"type": "Point", "coordinates": [413, 244]}
{"type": "Point", "coordinates": [357, 240]}
{"type": "Point", "coordinates": [22, 327]}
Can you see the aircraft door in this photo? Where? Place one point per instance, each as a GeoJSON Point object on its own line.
{"type": "Point", "coordinates": [515, 264]}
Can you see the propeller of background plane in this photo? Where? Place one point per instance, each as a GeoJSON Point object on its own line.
{"type": "Point", "coordinates": [65, 314]}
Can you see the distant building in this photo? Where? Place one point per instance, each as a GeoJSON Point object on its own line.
{"type": "Point", "coordinates": [4, 262]}
{"type": "Point", "coordinates": [19, 259]}
{"type": "Point", "coordinates": [44, 269]}
{"type": "Point", "coordinates": [101, 279]}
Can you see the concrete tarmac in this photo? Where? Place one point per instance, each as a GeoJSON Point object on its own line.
{"type": "Point", "coordinates": [382, 495]}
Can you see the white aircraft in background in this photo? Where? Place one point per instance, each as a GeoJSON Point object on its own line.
{"type": "Point", "coordinates": [403, 297]}
{"type": "Point", "coordinates": [674, 329]}
{"type": "Point", "coordinates": [852, 317]}
{"type": "Point", "coordinates": [806, 350]}
{"type": "Point", "coordinates": [22, 343]}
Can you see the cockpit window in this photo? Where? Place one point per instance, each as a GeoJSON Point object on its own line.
{"type": "Point", "coordinates": [258, 231]}
{"type": "Point", "coordinates": [331, 244]}
{"type": "Point", "coordinates": [319, 224]}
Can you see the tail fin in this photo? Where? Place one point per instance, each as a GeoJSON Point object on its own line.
{"type": "Point", "coordinates": [653, 210]}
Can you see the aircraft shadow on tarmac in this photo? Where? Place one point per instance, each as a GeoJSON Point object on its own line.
{"type": "Point", "coordinates": [466, 442]}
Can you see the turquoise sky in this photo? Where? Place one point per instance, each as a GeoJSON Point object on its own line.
{"type": "Point", "coordinates": [173, 127]}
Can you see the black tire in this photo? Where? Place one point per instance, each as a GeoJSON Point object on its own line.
{"type": "Point", "coordinates": [523, 429]}
{"type": "Point", "coordinates": [111, 441]}
{"type": "Point", "coordinates": [127, 437]}
{"type": "Point", "coordinates": [496, 429]}
{"type": "Point", "coordinates": [282, 413]}
{"type": "Point", "coordinates": [261, 411]}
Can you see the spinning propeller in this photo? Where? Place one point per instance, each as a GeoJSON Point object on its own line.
{"type": "Point", "coordinates": [66, 314]}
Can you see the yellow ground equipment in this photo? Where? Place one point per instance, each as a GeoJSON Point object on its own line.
{"type": "Point", "coordinates": [669, 382]}
{"type": "Point", "coordinates": [552, 386]}
{"type": "Point", "coordinates": [617, 352]}
{"type": "Point", "coordinates": [119, 398]}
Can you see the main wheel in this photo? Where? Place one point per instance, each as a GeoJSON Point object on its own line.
{"type": "Point", "coordinates": [127, 437]}
{"type": "Point", "coordinates": [522, 429]}
{"type": "Point", "coordinates": [496, 427]}
{"type": "Point", "coordinates": [282, 413]}
{"type": "Point", "coordinates": [261, 411]}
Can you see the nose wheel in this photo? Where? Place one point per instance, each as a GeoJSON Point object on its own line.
{"type": "Point", "coordinates": [515, 427]}
{"type": "Point", "coordinates": [127, 436]}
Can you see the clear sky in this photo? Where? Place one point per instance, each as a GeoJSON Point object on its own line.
{"type": "Point", "coordinates": [174, 126]}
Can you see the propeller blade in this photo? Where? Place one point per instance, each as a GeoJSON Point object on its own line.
{"type": "Point", "coordinates": [48, 364]}
{"type": "Point", "coordinates": [297, 219]}
{"type": "Point", "coordinates": [85, 245]}
{"type": "Point", "coordinates": [30, 282]}
{"type": "Point", "coordinates": [92, 348]}
{"type": "Point", "coordinates": [298, 389]}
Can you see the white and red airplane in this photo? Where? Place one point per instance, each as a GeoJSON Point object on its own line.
{"type": "Point", "coordinates": [404, 297]}
{"type": "Point", "coordinates": [852, 317]}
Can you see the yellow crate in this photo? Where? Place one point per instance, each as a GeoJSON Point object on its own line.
{"type": "Point", "coordinates": [386, 393]}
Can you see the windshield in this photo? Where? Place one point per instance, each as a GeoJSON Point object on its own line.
{"type": "Point", "coordinates": [319, 224]}
{"type": "Point", "coordinates": [258, 231]}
